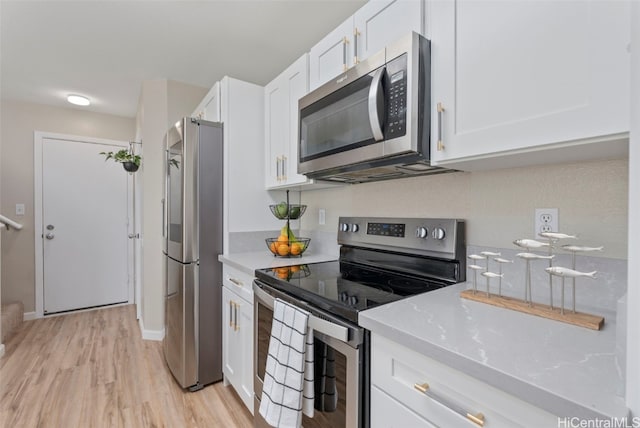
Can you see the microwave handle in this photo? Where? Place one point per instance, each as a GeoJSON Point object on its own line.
{"type": "Point", "coordinates": [374, 93]}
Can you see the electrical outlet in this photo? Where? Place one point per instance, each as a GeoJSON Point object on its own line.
{"type": "Point", "coordinates": [19, 209]}
{"type": "Point", "coordinates": [321, 216]}
{"type": "Point", "coordinates": [546, 220]}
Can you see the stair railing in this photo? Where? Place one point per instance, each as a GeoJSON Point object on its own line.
{"type": "Point", "coordinates": [8, 223]}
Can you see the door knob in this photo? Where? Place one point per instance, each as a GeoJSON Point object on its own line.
{"type": "Point", "coordinates": [49, 235]}
{"type": "Point", "coordinates": [49, 227]}
{"type": "Point", "coordinates": [134, 235]}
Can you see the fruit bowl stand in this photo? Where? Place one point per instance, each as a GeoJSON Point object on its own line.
{"type": "Point", "coordinates": [287, 244]}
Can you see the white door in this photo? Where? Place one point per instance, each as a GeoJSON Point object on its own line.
{"type": "Point", "coordinates": [84, 226]}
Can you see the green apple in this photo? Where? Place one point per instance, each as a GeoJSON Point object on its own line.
{"type": "Point", "coordinates": [282, 210]}
{"type": "Point", "coordinates": [294, 213]}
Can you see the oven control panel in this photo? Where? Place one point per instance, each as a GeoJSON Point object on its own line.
{"type": "Point", "coordinates": [443, 238]}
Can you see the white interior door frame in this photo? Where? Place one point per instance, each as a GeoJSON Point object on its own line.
{"type": "Point", "coordinates": [38, 141]}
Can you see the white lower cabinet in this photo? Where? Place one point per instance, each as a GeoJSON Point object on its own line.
{"type": "Point", "coordinates": [448, 397]}
{"type": "Point", "coordinates": [237, 334]}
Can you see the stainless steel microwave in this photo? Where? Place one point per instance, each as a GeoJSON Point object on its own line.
{"type": "Point", "coordinates": [373, 121]}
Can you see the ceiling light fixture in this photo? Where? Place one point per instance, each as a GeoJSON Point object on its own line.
{"type": "Point", "coordinates": [78, 100]}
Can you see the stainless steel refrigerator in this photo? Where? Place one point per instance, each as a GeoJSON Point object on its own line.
{"type": "Point", "coordinates": [193, 241]}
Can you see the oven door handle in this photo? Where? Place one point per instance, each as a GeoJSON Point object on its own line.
{"type": "Point", "coordinates": [318, 324]}
{"type": "Point", "coordinates": [374, 114]}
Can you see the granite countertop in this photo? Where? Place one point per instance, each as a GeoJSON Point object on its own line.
{"type": "Point", "coordinates": [250, 261]}
{"type": "Point", "coordinates": [563, 369]}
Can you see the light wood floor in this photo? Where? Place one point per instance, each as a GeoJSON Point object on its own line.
{"type": "Point", "coordinates": [93, 369]}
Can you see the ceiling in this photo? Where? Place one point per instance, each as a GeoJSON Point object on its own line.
{"type": "Point", "coordinates": [106, 49]}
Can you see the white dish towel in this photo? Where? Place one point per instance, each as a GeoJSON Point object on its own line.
{"type": "Point", "coordinates": [288, 382]}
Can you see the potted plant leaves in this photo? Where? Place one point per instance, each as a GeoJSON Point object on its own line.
{"type": "Point", "coordinates": [129, 160]}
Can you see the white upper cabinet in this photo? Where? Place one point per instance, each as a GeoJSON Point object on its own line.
{"type": "Point", "coordinates": [209, 107]}
{"type": "Point", "coordinates": [370, 29]}
{"type": "Point", "coordinates": [380, 22]}
{"type": "Point", "coordinates": [281, 127]}
{"type": "Point", "coordinates": [331, 55]}
{"type": "Point", "coordinates": [521, 76]}
{"type": "Point", "coordinates": [275, 122]}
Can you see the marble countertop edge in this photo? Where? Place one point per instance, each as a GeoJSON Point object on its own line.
{"type": "Point", "coordinates": [552, 401]}
{"type": "Point", "coordinates": [250, 261]}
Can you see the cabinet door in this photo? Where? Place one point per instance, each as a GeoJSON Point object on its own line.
{"type": "Point", "coordinates": [212, 108]}
{"type": "Point", "coordinates": [230, 343]}
{"type": "Point", "coordinates": [209, 107]}
{"type": "Point", "coordinates": [332, 55]}
{"type": "Point", "coordinates": [238, 345]}
{"type": "Point", "coordinates": [516, 75]}
{"type": "Point", "coordinates": [298, 86]}
{"type": "Point", "coordinates": [245, 330]}
{"type": "Point", "coordinates": [276, 122]}
{"type": "Point", "coordinates": [380, 22]}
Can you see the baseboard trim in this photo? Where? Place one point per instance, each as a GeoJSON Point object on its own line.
{"type": "Point", "coordinates": [1, 349]}
{"type": "Point", "coordinates": [28, 316]}
{"type": "Point", "coordinates": [156, 335]}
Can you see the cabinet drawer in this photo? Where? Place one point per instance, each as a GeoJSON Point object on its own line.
{"type": "Point", "coordinates": [389, 413]}
{"type": "Point", "coordinates": [238, 281]}
{"type": "Point", "coordinates": [450, 394]}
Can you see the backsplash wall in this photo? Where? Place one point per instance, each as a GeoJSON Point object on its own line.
{"type": "Point", "coordinates": [498, 205]}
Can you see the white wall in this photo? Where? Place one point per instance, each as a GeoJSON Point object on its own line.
{"type": "Point", "coordinates": [18, 121]}
{"type": "Point", "coordinates": [633, 291]}
{"type": "Point", "coordinates": [162, 103]}
{"type": "Point", "coordinates": [499, 205]}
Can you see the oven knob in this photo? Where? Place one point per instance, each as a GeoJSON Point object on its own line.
{"type": "Point", "coordinates": [344, 227]}
{"type": "Point", "coordinates": [353, 300]}
{"type": "Point", "coordinates": [355, 227]}
{"type": "Point", "coordinates": [438, 233]}
{"type": "Point", "coordinates": [422, 232]}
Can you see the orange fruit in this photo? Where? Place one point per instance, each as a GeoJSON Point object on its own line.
{"type": "Point", "coordinates": [283, 250]}
{"type": "Point", "coordinates": [296, 248]}
{"type": "Point", "coordinates": [283, 275]}
{"type": "Point", "coordinates": [283, 238]}
{"type": "Point", "coordinates": [294, 269]}
{"type": "Point", "coordinates": [274, 248]}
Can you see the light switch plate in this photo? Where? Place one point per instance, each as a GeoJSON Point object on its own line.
{"type": "Point", "coordinates": [19, 209]}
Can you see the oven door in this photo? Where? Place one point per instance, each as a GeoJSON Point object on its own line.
{"type": "Point", "coordinates": [338, 401]}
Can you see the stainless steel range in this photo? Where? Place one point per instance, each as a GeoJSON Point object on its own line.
{"type": "Point", "coordinates": [381, 260]}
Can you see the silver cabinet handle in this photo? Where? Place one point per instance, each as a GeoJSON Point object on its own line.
{"type": "Point", "coordinates": [344, 53]}
{"type": "Point", "coordinates": [49, 236]}
{"type": "Point", "coordinates": [440, 112]}
{"type": "Point", "coordinates": [355, 45]}
{"type": "Point", "coordinates": [230, 313]}
{"type": "Point", "coordinates": [374, 93]}
{"type": "Point", "coordinates": [279, 168]}
{"type": "Point", "coordinates": [476, 418]}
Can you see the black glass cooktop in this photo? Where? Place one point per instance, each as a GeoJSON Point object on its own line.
{"type": "Point", "coordinates": [346, 287]}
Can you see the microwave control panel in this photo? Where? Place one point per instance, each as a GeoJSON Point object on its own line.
{"type": "Point", "coordinates": [397, 98]}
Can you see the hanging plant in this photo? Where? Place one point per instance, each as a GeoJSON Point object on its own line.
{"type": "Point", "coordinates": [129, 160]}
